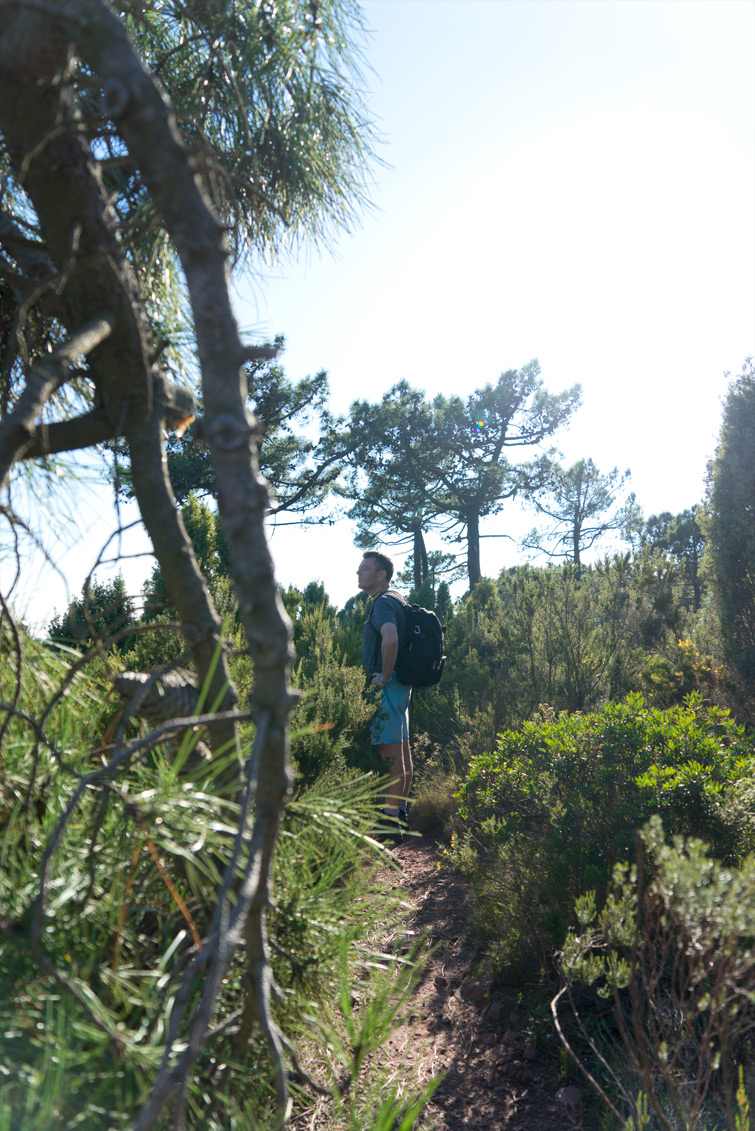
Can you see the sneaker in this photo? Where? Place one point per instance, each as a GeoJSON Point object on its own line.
{"type": "Point", "coordinates": [388, 829]}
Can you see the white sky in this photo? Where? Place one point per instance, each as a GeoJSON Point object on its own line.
{"type": "Point", "coordinates": [573, 181]}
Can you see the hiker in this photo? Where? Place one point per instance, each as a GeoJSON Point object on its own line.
{"type": "Point", "coordinates": [384, 631]}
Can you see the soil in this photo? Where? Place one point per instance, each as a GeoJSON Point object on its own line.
{"type": "Point", "coordinates": [495, 1076]}
{"type": "Point", "coordinates": [462, 1026]}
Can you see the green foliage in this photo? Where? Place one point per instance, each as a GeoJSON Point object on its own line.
{"type": "Point", "coordinates": [436, 565]}
{"type": "Point", "coordinates": [350, 629]}
{"type": "Point", "coordinates": [476, 476]}
{"type": "Point", "coordinates": [331, 719]}
{"type": "Point", "coordinates": [731, 522]}
{"type": "Point", "coordinates": [680, 670]}
{"type": "Point", "coordinates": [742, 1117]}
{"type": "Point", "coordinates": [271, 105]}
{"type": "Point", "coordinates": [672, 948]}
{"type": "Point", "coordinates": [330, 724]}
{"type": "Point", "coordinates": [273, 94]}
{"type": "Point", "coordinates": [103, 610]}
{"type": "Point", "coordinates": [301, 447]}
{"type": "Point", "coordinates": [213, 558]}
{"type": "Point", "coordinates": [160, 645]}
{"type": "Point", "coordinates": [92, 971]}
{"type": "Point", "coordinates": [570, 638]}
{"type": "Point", "coordinates": [392, 472]}
{"type": "Point", "coordinates": [418, 465]}
{"type": "Point", "coordinates": [434, 796]}
{"type": "Point", "coordinates": [549, 813]}
{"type": "Point", "coordinates": [682, 537]}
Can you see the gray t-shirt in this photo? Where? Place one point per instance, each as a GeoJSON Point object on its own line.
{"type": "Point", "coordinates": [385, 609]}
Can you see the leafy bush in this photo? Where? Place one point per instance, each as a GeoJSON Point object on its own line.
{"type": "Point", "coordinates": [332, 715]}
{"type": "Point", "coordinates": [434, 797]}
{"type": "Point", "coordinates": [674, 950]}
{"type": "Point", "coordinates": [104, 610]}
{"type": "Point", "coordinates": [681, 670]}
{"type": "Point", "coordinates": [573, 638]}
{"type": "Point", "coordinates": [556, 806]}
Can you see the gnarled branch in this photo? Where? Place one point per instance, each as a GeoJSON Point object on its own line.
{"type": "Point", "coordinates": [47, 375]}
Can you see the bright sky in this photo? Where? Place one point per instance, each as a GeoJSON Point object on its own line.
{"type": "Point", "coordinates": [572, 181]}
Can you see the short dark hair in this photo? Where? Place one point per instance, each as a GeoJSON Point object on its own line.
{"type": "Point", "coordinates": [382, 561]}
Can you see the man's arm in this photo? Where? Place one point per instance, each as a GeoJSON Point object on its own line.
{"type": "Point", "coordinates": [388, 652]}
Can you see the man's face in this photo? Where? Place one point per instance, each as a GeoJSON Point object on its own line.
{"type": "Point", "coordinates": [369, 577]}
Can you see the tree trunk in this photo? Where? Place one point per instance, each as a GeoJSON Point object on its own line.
{"type": "Point", "coordinates": [577, 531]}
{"type": "Point", "coordinates": [61, 178]}
{"type": "Point", "coordinates": [420, 563]}
{"type": "Point", "coordinates": [149, 129]}
{"type": "Point", "coordinates": [473, 548]}
{"type": "Point", "coordinates": [200, 624]}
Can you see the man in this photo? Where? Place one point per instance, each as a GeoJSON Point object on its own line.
{"type": "Point", "coordinates": [384, 631]}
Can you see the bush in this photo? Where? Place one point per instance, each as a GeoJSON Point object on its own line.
{"type": "Point", "coordinates": [434, 804]}
{"type": "Point", "coordinates": [556, 806]}
{"type": "Point", "coordinates": [674, 950]}
{"type": "Point", "coordinates": [332, 716]}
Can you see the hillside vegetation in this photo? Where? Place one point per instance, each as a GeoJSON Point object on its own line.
{"type": "Point", "coordinates": [191, 924]}
{"type": "Point", "coordinates": [575, 707]}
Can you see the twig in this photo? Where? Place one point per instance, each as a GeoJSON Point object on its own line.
{"type": "Point", "coordinates": [124, 907]}
{"type": "Point", "coordinates": [173, 891]}
{"type": "Point", "coordinates": [575, 1058]}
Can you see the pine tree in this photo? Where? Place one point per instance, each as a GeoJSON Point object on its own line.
{"type": "Point", "coordinates": [581, 503]}
{"type": "Point", "coordinates": [393, 472]}
{"type": "Point", "coordinates": [476, 476]}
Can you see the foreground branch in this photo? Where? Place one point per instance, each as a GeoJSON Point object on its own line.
{"type": "Point", "coordinates": [137, 106]}
{"type": "Point", "coordinates": [16, 431]}
{"type": "Point", "coordinates": [69, 435]}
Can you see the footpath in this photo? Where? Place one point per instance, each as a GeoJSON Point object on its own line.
{"type": "Point", "coordinates": [495, 1077]}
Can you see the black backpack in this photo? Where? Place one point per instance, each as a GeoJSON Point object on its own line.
{"type": "Point", "coordinates": [421, 657]}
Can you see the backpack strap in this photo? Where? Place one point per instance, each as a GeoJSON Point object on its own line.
{"type": "Point", "coordinates": [386, 593]}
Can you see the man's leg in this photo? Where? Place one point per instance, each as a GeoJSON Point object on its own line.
{"type": "Point", "coordinates": [408, 773]}
{"type": "Point", "coordinates": [397, 760]}
{"type": "Point", "coordinates": [390, 734]}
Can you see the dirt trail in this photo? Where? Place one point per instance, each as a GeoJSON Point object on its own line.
{"type": "Point", "coordinates": [495, 1079]}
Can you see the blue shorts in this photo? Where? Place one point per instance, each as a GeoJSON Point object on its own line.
{"type": "Point", "coordinates": [391, 722]}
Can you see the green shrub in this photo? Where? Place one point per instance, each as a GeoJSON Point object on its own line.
{"type": "Point", "coordinates": [556, 806]}
{"type": "Point", "coordinates": [673, 949]}
{"type": "Point", "coordinates": [332, 715]}
{"type": "Point", "coordinates": [434, 803]}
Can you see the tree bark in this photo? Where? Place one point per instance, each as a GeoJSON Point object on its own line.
{"type": "Point", "coordinates": [17, 430]}
{"type": "Point", "coordinates": [576, 540]}
{"type": "Point", "coordinates": [472, 520]}
{"type": "Point", "coordinates": [419, 558]}
{"type": "Point", "coordinates": [147, 125]}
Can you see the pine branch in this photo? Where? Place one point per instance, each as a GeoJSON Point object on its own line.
{"type": "Point", "coordinates": [16, 431]}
